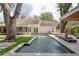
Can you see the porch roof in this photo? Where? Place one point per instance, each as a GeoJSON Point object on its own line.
{"type": "Point", "coordinates": [48, 23]}
{"type": "Point", "coordinates": [72, 15]}
{"type": "Point", "coordinates": [2, 24]}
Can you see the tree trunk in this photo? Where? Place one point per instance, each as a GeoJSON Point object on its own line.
{"type": "Point", "coordinates": [63, 24]}
{"type": "Point", "coordinates": [10, 25]}
{"type": "Point", "coordinates": [10, 22]}
{"type": "Point", "coordinates": [11, 31]}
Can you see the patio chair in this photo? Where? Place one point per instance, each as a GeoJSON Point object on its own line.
{"type": "Point", "coordinates": [77, 37]}
{"type": "Point", "coordinates": [71, 38]}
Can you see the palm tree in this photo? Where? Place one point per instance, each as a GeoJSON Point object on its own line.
{"type": "Point", "coordinates": [9, 20]}
{"type": "Point", "coordinates": [63, 8]}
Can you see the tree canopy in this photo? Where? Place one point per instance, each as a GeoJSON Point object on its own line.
{"type": "Point", "coordinates": [63, 8]}
{"type": "Point", "coordinates": [46, 16]}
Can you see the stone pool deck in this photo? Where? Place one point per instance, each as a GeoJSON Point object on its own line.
{"type": "Point", "coordinates": [73, 46]}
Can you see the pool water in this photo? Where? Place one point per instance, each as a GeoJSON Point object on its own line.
{"type": "Point", "coordinates": [44, 44]}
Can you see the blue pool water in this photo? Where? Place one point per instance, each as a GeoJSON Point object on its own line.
{"type": "Point", "coordinates": [44, 44]}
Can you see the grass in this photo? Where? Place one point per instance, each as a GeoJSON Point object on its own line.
{"type": "Point", "coordinates": [20, 39]}
{"type": "Point", "coordinates": [2, 36]}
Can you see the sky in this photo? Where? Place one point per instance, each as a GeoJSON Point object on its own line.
{"type": "Point", "coordinates": [36, 8]}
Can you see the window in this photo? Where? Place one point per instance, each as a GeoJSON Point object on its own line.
{"type": "Point", "coordinates": [29, 29]}
{"type": "Point", "coordinates": [4, 30]}
{"type": "Point", "coordinates": [20, 29]}
{"type": "Point", "coordinates": [52, 29]}
{"type": "Point", "coordinates": [0, 29]}
{"type": "Point", "coordinates": [35, 29]}
{"type": "Point", "coordinates": [26, 29]}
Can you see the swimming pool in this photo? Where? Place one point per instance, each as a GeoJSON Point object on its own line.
{"type": "Point", "coordinates": [44, 44]}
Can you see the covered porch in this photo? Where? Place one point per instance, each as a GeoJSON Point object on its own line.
{"type": "Point", "coordinates": [73, 15]}
{"type": "Point", "coordinates": [20, 30]}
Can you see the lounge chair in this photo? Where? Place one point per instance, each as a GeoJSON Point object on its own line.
{"type": "Point", "coordinates": [77, 37]}
{"type": "Point", "coordinates": [69, 39]}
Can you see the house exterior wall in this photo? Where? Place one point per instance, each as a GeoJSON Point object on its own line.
{"type": "Point", "coordinates": [45, 29]}
{"type": "Point", "coordinates": [34, 26]}
{"type": "Point", "coordinates": [41, 29]}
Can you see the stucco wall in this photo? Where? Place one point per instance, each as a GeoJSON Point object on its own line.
{"type": "Point", "coordinates": [44, 29]}
{"type": "Point", "coordinates": [34, 26]}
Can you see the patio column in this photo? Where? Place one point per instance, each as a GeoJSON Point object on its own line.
{"type": "Point", "coordinates": [17, 31]}
{"type": "Point", "coordinates": [24, 30]}
{"type": "Point", "coordinates": [2, 29]}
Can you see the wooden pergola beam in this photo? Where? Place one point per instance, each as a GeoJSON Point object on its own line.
{"type": "Point", "coordinates": [73, 15]}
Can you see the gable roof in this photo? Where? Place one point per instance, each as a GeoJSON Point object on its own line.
{"type": "Point", "coordinates": [22, 22]}
{"type": "Point", "coordinates": [26, 21]}
{"type": "Point", "coordinates": [47, 23]}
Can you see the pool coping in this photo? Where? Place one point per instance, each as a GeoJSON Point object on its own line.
{"type": "Point", "coordinates": [40, 54]}
{"type": "Point", "coordinates": [30, 42]}
{"type": "Point", "coordinates": [65, 44]}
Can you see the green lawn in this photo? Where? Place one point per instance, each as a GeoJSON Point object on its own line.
{"type": "Point", "coordinates": [2, 36]}
{"type": "Point", "coordinates": [20, 39]}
